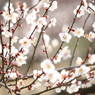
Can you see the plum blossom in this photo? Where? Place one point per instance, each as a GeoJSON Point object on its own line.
{"type": "Point", "coordinates": [46, 5]}
{"type": "Point", "coordinates": [12, 16]}
{"type": "Point", "coordinates": [53, 21]}
{"type": "Point", "coordinates": [92, 80]}
{"type": "Point", "coordinates": [20, 82]}
{"type": "Point", "coordinates": [14, 39]}
{"type": "Point", "coordinates": [58, 90]}
{"type": "Point", "coordinates": [53, 6]}
{"type": "Point", "coordinates": [90, 36]}
{"type": "Point", "coordinates": [37, 73]}
{"type": "Point", "coordinates": [14, 51]}
{"type": "Point", "coordinates": [80, 12]}
{"type": "Point", "coordinates": [91, 58]}
{"type": "Point", "coordinates": [13, 75]}
{"type": "Point", "coordinates": [86, 84]}
{"type": "Point", "coordinates": [91, 8]}
{"type": "Point", "coordinates": [25, 42]}
{"type": "Point", "coordinates": [65, 52]}
{"type": "Point", "coordinates": [82, 70]}
{"type": "Point", "coordinates": [11, 7]}
{"type": "Point", "coordinates": [79, 32]}
{"type": "Point", "coordinates": [84, 3]}
{"type": "Point", "coordinates": [20, 60]}
{"type": "Point", "coordinates": [22, 8]}
{"type": "Point", "coordinates": [57, 58]}
{"type": "Point", "coordinates": [24, 51]}
{"type": "Point", "coordinates": [79, 61]}
{"type": "Point", "coordinates": [65, 37]}
{"type": "Point", "coordinates": [47, 66]}
{"type": "Point", "coordinates": [64, 74]}
{"type": "Point", "coordinates": [42, 21]}
{"type": "Point", "coordinates": [7, 34]}
{"type": "Point", "coordinates": [73, 88]}
{"type": "Point", "coordinates": [53, 76]}
{"type": "Point", "coordinates": [36, 85]}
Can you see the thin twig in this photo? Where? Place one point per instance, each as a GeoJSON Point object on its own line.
{"type": "Point", "coordinates": [46, 52]}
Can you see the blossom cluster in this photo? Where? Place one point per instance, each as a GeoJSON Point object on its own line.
{"type": "Point", "coordinates": [14, 50]}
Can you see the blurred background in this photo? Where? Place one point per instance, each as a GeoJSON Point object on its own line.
{"type": "Point", "coordinates": [64, 16]}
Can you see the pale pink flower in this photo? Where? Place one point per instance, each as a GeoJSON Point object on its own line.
{"type": "Point", "coordinates": [53, 76]}
{"type": "Point", "coordinates": [65, 37]}
{"type": "Point", "coordinates": [73, 88]}
{"type": "Point", "coordinates": [36, 9]}
{"type": "Point", "coordinates": [14, 51]}
{"type": "Point", "coordinates": [80, 11]}
{"type": "Point", "coordinates": [65, 52]}
{"type": "Point", "coordinates": [91, 58]}
{"type": "Point", "coordinates": [85, 3]}
{"type": "Point", "coordinates": [86, 84]}
{"type": "Point", "coordinates": [53, 6]}
{"type": "Point", "coordinates": [20, 82]}
{"type": "Point", "coordinates": [92, 8]}
{"type": "Point", "coordinates": [79, 32]}
{"type": "Point", "coordinates": [13, 75]}
{"type": "Point", "coordinates": [79, 61]}
{"type": "Point", "coordinates": [57, 58]}
{"type": "Point", "coordinates": [20, 60]}
{"type": "Point", "coordinates": [12, 16]}
{"type": "Point", "coordinates": [11, 7]}
{"type": "Point", "coordinates": [58, 90]}
{"type": "Point", "coordinates": [46, 5]}
{"type": "Point", "coordinates": [22, 7]}
{"type": "Point", "coordinates": [82, 70]}
{"type": "Point", "coordinates": [14, 39]}
{"type": "Point", "coordinates": [36, 85]}
{"type": "Point", "coordinates": [42, 21]}
{"type": "Point", "coordinates": [7, 34]}
{"type": "Point", "coordinates": [91, 36]}
{"type": "Point", "coordinates": [53, 21]}
{"type": "Point", "coordinates": [25, 42]}
{"type": "Point", "coordinates": [24, 51]}
{"type": "Point", "coordinates": [92, 80]}
{"type": "Point", "coordinates": [37, 73]}
{"type": "Point", "coordinates": [47, 66]}
{"type": "Point", "coordinates": [64, 74]}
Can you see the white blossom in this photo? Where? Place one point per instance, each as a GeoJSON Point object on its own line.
{"type": "Point", "coordinates": [47, 66]}
{"type": "Point", "coordinates": [13, 75]}
{"type": "Point", "coordinates": [65, 37]}
{"type": "Point", "coordinates": [25, 42]}
{"type": "Point", "coordinates": [80, 12]}
{"type": "Point", "coordinates": [21, 60]}
{"type": "Point", "coordinates": [91, 58]}
{"type": "Point", "coordinates": [78, 32]}
{"type": "Point", "coordinates": [53, 6]}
